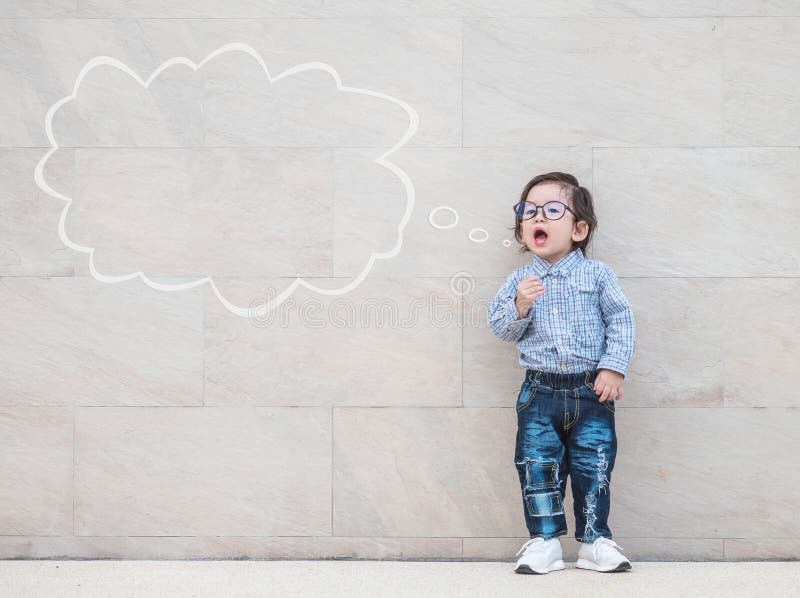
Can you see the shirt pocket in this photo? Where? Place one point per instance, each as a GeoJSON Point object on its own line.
{"type": "Point", "coordinates": [587, 320]}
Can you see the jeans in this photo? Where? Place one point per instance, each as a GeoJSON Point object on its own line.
{"type": "Point", "coordinates": [563, 428]}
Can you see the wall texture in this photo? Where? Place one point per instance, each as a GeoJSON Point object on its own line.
{"type": "Point", "coordinates": [143, 423]}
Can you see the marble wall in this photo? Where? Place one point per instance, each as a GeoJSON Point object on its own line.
{"type": "Point", "coordinates": [139, 422]}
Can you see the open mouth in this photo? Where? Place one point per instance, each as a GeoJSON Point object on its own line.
{"type": "Point", "coordinates": [540, 237]}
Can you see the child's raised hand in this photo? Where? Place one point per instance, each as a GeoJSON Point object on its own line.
{"type": "Point", "coordinates": [528, 290]}
{"type": "Point", "coordinates": [608, 384]}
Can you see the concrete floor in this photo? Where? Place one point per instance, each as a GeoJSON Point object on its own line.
{"type": "Point", "coordinates": [224, 579]}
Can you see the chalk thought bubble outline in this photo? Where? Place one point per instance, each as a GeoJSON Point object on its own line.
{"type": "Point", "coordinates": [97, 61]}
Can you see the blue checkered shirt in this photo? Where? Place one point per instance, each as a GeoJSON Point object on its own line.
{"type": "Point", "coordinates": [582, 322]}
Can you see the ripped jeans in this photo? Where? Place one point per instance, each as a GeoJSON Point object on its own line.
{"type": "Point", "coordinates": [563, 428]}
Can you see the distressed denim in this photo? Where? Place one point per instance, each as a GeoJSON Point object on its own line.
{"type": "Point", "coordinates": [563, 429]}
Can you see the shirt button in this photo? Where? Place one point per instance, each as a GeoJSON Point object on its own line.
{"type": "Point", "coordinates": [563, 366]}
{"type": "Point", "coordinates": [555, 311]}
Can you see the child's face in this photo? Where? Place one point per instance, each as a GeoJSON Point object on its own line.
{"type": "Point", "coordinates": [561, 233]}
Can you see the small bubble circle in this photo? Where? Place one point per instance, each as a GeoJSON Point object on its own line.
{"type": "Point", "coordinates": [478, 231]}
{"type": "Point", "coordinates": [437, 209]}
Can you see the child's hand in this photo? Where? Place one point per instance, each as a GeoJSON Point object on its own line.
{"type": "Point", "coordinates": [528, 290]}
{"type": "Point", "coordinates": [608, 384]}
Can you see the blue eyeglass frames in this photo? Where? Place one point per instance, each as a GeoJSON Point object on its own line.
{"type": "Point", "coordinates": [552, 210]}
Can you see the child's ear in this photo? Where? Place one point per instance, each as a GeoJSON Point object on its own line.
{"type": "Point", "coordinates": [581, 230]}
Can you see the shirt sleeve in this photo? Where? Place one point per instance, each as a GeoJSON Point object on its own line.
{"type": "Point", "coordinates": [620, 326]}
{"type": "Point", "coordinates": [503, 317]}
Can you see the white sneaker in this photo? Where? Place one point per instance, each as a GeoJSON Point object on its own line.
{"type": "Point", "coordinates": [540, 556]}
{"type": "Point", "coordinates": [602, 555]}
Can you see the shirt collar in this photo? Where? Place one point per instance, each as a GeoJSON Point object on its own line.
{"type": "Point", "coordinates": [562, 267]}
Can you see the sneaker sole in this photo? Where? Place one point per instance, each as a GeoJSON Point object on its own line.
{"type": "Point", "coordinates": [523, 568]}
{"type": "Point", "coordinates": [584, 564]}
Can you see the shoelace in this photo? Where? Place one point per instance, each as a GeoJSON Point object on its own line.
{"type": "Point", "coordinates": [602, 541]}
{"type": "Point", "coordinates": [528, 543]}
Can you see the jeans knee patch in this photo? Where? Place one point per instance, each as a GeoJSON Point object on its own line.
{"type": "Point", "coordinates": [543, 504]}
{"type": "Point", "coordinates": [541, 492]}
{"type": "Point", "coordinates": [539, 473]}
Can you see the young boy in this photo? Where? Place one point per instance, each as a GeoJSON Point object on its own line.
{"type": "Point", "coordinates": [575, 332]}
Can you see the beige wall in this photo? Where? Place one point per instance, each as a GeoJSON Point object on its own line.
{"type": "Point", "coordinates": [142, 423]}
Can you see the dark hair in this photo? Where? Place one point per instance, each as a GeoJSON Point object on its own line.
{"type": "Point", "coordinates": [580, 198]}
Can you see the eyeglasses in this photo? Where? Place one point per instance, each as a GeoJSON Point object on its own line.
{"type": "Point", "coordinates": [552, 210]}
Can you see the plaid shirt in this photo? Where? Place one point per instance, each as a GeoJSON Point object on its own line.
{"type": "Point", "coordinates": [582, 322]}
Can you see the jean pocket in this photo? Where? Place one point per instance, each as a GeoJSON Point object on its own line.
{"type": "Point", "coordinates": [609, 404]}
{"type": "Point", "coordinates": [525, 396]}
